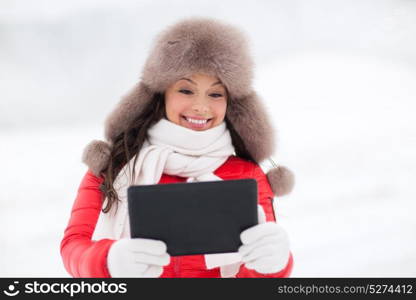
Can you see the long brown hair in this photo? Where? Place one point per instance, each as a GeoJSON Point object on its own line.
{"type": "Point", "coordinates": [128, 144]}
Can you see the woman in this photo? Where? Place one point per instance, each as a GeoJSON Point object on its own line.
{"type": "Point", "coordinates": [192, 117]}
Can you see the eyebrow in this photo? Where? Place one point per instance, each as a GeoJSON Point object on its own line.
{"type": "Point", "coordinates": [191, 81]}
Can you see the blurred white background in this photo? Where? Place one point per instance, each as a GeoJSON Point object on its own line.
{"type": "Point", "coordinates": [338, 77]}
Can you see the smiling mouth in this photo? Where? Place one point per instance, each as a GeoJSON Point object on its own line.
{"type": "Point", "coordinates": [196, 123]}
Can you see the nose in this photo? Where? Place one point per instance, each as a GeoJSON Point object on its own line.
{"type": "Point", "coordinates": [200, 106]}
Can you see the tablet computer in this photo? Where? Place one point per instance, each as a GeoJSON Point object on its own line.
{"type": "Point", "coordinates": [196, 217]}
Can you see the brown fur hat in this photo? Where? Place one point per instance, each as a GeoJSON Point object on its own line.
{"type": "Point", "coordinates": [199, 45]}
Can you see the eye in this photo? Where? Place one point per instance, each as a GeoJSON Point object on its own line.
{"type": "Point", "coordinates": [186, 92]}
{"type": "Point", "coordinates": [216, 95]}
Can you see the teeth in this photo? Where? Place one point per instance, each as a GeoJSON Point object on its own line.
{"type": "Point", "coordinates": [196, 121]}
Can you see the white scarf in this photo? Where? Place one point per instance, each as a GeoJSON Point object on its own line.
{"type": "Point", "coordinates": [174, 150]}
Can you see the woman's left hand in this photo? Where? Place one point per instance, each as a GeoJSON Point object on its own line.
{"type": "Point", "coordinates": [265, 247]}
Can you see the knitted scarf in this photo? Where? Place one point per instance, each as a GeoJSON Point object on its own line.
{"type": "Point", "coordinates": [177, 150]}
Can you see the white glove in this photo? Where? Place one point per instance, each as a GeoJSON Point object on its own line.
{"type": "Point", "coordinates": [137, 258]}
{"type": "Point", "coordinates": [265, 247]}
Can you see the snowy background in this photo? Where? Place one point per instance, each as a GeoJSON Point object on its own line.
{"type": "Point", "coordinates": [338, 77]}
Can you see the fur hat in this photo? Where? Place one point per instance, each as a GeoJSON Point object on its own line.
{"type": "Point", "coordinates": [205, 46]}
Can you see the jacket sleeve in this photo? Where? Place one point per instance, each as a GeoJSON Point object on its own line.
{"type": "Point", "coordinates": [81, 256]}
{"type": "Point", "coordinates": [265, 198]}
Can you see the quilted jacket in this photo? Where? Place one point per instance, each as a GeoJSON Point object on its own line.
{"type": "Point", "coordinates": [84, 257]}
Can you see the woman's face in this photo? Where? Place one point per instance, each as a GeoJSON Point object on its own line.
{"type": "Point", "coordinates": [197, 102]}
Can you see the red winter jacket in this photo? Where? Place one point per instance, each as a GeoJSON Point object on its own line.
{"type": "Point", "coordinates": [83, 257]}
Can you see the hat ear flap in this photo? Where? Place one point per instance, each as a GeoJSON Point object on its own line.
{"type": "Point", "coordinates": [250, 119]}
{"type": "Point", "coordinates": [96, 156]}
{"type": "Point", "coordinates": [97, 153]}
{"type": "Point", "coordinates": [281, 179]}
{"type": "Point", "coordinates": [126, 110]}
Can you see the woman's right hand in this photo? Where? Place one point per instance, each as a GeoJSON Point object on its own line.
{"type": "Point", "coordinates": [137, 258]}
